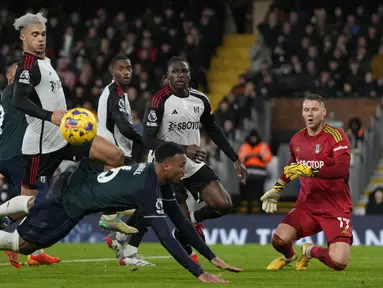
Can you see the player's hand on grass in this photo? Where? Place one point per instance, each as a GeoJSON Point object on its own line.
{"type": "Point", "coordinates": [295, 170]}
{"type": "Point", "coordinates": [57, 116]}
{"type": "Point", "coordinates": [222, 265]}
{"type": "Point", "coordinates": [241, 171]}
{"type": "Point", "coordinates": [195, 153]}
{"type": "Point", "coordinates": [211, 278]}
{"type": "Point", "coordinates": [271, 197]}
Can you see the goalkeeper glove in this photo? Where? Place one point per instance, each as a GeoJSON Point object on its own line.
{"type": "Point", "coordinates": [294, 170]}
{"type": "Point", "coordinates": [271, 197]}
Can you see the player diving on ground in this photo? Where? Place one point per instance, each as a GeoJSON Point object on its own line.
{"type": "Point", "coordinates": [145, 186]}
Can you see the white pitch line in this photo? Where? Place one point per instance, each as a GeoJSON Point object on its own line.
{"type": "Point", "coordinates": [96, 260]}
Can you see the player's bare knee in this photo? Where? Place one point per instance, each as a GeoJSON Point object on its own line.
{"type": "Point", "coordinates": [339, 259]}
{"type": "Point", "coordinates": [278, 241]}
{"type": "Point", "coordinates": [224, 206]}
{"type": "Point", "coordinates": [285, 233]}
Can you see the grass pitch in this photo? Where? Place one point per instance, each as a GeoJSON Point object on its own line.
{"type": "Point", "coordinates": [93, 265]}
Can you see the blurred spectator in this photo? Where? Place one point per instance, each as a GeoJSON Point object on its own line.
{"type": "Point", "coordinates": [377, 64]}
{"type": "Point", "coordinates": [224, 113]}
{"type": "Point", "coordinates": [355, 131]}
{"type": "Point", "coordinates": [375, 203]}
{"type": "Point", "coordinates": [255, 155]}
{"type": "Point", "coordinates": [259, 53]}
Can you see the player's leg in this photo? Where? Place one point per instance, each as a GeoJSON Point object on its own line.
{"type": "Point", "coordinates": [28, 183]}
{"type": "Point", "coordinates": [106, 152]}
{"type": "Point", "coordinates": [47, 222]}
{"type": "Point", "coordinates": [205, 185]}
{"type": "Point", "coordinates": [338, 231]}
{"type": "Point", "coordinates": [296, 224]}
{"type": "Point", "coordinates": [129, 255]}
{"type": "Point", "coordinates": [16, 171]}
{"type": "Point", "coordinates": [39, 169]}
{"type": "Point", "coordinates": [18, 205]}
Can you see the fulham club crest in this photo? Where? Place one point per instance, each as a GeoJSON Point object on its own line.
{"type": "Point", "coordinates": [317, 148]}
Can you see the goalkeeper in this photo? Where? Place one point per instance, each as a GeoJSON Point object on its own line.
{"type": "Point", "coordinates": [320, 158]}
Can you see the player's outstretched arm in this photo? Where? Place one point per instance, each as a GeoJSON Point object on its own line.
{"type": "Point", "coordinates": [186, 228]}
{"type": "Point", "coordinates": [163, 233]}
{"type": "Point", "coordinates": [121, 118]}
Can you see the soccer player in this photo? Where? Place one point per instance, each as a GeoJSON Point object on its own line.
{"type": "Point", "coordinates": [175, 115]}
{"type": "Point", "coordinates": [39, 94]}
{"type": "Point", "coordinates": [54, 213]}
{"type": "Point", "coordinates": [115, 123]}
{"type": "Point", "coordinates": [320, 157]}
{"type": "Point", "coordinates": [12, 129]}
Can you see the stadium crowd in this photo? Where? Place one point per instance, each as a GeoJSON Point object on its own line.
{"type": "Point", "coordinates": [335, 53]}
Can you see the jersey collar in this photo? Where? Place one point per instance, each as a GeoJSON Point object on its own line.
{"type": "Point", "coordinates": [318, 135]}
{"type": "Point", "coordinates": [33, 55]}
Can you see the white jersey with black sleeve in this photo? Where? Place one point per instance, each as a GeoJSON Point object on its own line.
{"type": "Point", "coordinates": [38, 92]}
{"type": "Point", "coordinates": [177, 119]}
{"type": "Point", "coordinates": [115, 119]}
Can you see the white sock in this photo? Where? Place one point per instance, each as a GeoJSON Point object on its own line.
{"type": "Point", "coordinates": [38, 252]}
{"type": "Point", "coordinates": [109, 217]}
{"type": "Point", "coordinates": [9, 241]}
{"type": "Point", "coordinates": [308, 250]}
{"type": "Point", "coordinates": [120, 237]}
{"type": "Point", "coordinates": [15, 205]}
{"type": "Point", "coordinates": [192, 218]}
{"type": "Point", "coordinates": [130, 250]}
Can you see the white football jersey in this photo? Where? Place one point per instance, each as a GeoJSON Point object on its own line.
{"type": "Point", "coordinates": [41, 136]}
{"type": "Point", "coordinates": [114, 100]}
{"type": "Point", "coordinates": [179, 120]}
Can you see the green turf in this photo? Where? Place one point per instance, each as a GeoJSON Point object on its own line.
{"type": "Point", "coordinates": [365, 270]}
